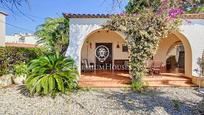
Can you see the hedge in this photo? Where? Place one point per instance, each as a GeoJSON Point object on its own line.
{"type": "Point", "coordinates": [10, 56]}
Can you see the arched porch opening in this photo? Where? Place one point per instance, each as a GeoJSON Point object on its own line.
{"type": "Point", "coordinates": [175, 53]}
{"type": "Point", "coordinates": [111, 71]}
{"type": "Point", "coordinates": [104, 50]}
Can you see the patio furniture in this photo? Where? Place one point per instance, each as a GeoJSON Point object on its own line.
{"type": "Point", "coordinates": [121, 65]}
{"type": "Point", "coordinates": [86, 66]}
{"type": "Point", "coordinates": [148, 65]}
{"type": "Point", "coordinates": [156, 67]}
{"type": "Point", "coordinates": [126, 63]}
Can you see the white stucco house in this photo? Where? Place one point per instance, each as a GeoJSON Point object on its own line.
{"type": "Point", "coordinates": [87, 35]}
{"type": "Point", "coordinates": [2, 27]}
{"type": "Point", "coordinates": [21, 40]}
{"type": "Point", "coordinates": [16, 40]}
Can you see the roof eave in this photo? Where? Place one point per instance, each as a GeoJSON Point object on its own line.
{"type": "Point", "coordinates": [70, 15]}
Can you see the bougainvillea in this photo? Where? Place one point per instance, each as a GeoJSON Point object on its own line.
{"type": "Point", "coordinates": [174, 12]}
{"type": "Point", "coordinates": [143, 29]}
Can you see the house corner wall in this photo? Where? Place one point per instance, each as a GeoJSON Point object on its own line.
{"type": "Point", "coordinates": [2, 28]}
{"type": "Point", "coordinates": [193, 30]}
{"type": "Point", "coordinates": [79, 29]}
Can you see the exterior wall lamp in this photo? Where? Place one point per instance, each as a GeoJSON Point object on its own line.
{"type": "Point", "coordinates": [90, 44]}
{"type": "Point", "coordinates": [118, 46]}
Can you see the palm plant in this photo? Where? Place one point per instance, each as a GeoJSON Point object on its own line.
{"type": "Point", "coordinates": [51, 74]}
{"type": "Point", "coordinates": [135, 6]}
{"type": "Point", "coordinates": [190, 6]}
{"type": "Point", "coordinates": [54, 34]}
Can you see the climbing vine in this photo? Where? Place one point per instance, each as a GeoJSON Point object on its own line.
{"type": "Point", "coordinates": [143, 29]}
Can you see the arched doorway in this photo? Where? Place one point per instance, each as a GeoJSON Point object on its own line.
{"type": "Point", "coordinates": [175, 58]}
{"type": "Point", "coordinates": [175, 53]}
{"type": "Point", "coordinates": [109, 72]}
{"type": "Point", "coordinates": [104, 60]}
{"type": "Point", "coordinates": [104, 50]}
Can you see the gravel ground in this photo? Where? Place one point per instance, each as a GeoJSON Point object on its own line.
{"type": "Point", "coordinates": [159, 101]}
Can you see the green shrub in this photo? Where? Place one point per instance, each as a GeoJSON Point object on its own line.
{"type": "Point", "coordinates": [20, 70]}
{"type": "Point", "coordinates": [176, 104]}
{"type": "Point", "coordinates": [144, 25]}
{"type": "Point", "coordinates": [54, 35]}
{"type": "Point", "coordinates": [137, 85]}
{"type": "Point", "coordinates": [51, 74]}
{"type": "Point", "coordinates": [10, 56]}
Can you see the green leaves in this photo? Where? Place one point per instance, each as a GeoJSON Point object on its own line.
{"type": "Point", "coordinates": [51, 83]}
{"type": "Point", "coordinates": [51, 74]}
{"type": "Point", "coordinates": [136, 6]}
{"type": "Point", "coordinates": [137, 85]}
{"type": "Point", "coordinates": [20, 69]}
{"type": "Point", "coordinates": [143, 26]}
{"type": "Point", "coordinates": [13, 57]}
{"type": "Point", "coordinates": [54, 34]}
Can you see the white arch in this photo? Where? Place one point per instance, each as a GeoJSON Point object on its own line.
{"type": "Point", "coordinates": [91, 33]}
{"type": "Point", "coordinates": [188, 53]}
{"type": "Point", "coordinates": [166, 43]}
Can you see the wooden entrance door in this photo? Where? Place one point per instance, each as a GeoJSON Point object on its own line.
{"type": "Point", "coordinates": [103, 54]}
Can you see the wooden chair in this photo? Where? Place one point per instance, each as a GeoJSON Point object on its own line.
{"type": "Point", "coordinates": [126, 63]}
{"type": "Point", "coordinates": [86, 66]}
{"type": "Point", "coordinates": [156, 67]}
{"type": "Point", "coordinates": [149, 66]}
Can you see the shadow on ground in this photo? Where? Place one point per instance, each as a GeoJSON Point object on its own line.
{"type": "Point", "coordinates": [153, 101]}
{"type": "Point", "coordinates": [200, 105]}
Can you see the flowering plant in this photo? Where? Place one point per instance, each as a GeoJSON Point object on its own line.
{"type": "Point", "coordinates": [144, 26]}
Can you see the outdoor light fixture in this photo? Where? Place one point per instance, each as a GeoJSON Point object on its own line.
{"type": "Point", "coordinates": [90, 44]}
{"type": "Point", "coordinates": [118, 46]}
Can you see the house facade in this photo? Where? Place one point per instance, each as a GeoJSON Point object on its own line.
{"type": "Point", "coordinates": [2, 28]}
{"type": "Point", "coordinates": [90, 42]}
{"type": "Point", "coordinates": [16, 40]}
{"type": "Point", "coordinates": [21, 40]}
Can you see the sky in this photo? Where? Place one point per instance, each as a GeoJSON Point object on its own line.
{"type": "Point", "coordinates": [35, 12]}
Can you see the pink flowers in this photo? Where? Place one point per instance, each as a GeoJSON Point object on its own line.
{"type": "Point", "coordinates": [174, 12]}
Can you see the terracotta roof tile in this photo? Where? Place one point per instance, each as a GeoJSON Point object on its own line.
{"type": "Point", "coordinates": [3, 13]}
{"type": "Point", "coordinates": [70, 15]}
{"type": "Point", "coordinates": [193, 16]}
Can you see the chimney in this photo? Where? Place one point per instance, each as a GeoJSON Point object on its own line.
{"type": "Point", "coordinates": [2, 28]}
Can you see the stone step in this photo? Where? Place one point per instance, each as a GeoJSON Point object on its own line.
{"type": "Point", "coordinates": [102, 85]}
{"type": "Point", "coordinates": [169, 81]}
{"type": "Point", "coordinates": [104, 80]}
{"type": "Point", "coordinates": [105, 84]}
{"type": "Point", "coordinates": [119, 85]}
{"type": "Point", "coordinates": [181, 78]}
{"type": "Point", "coordinates": [171, 85]}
